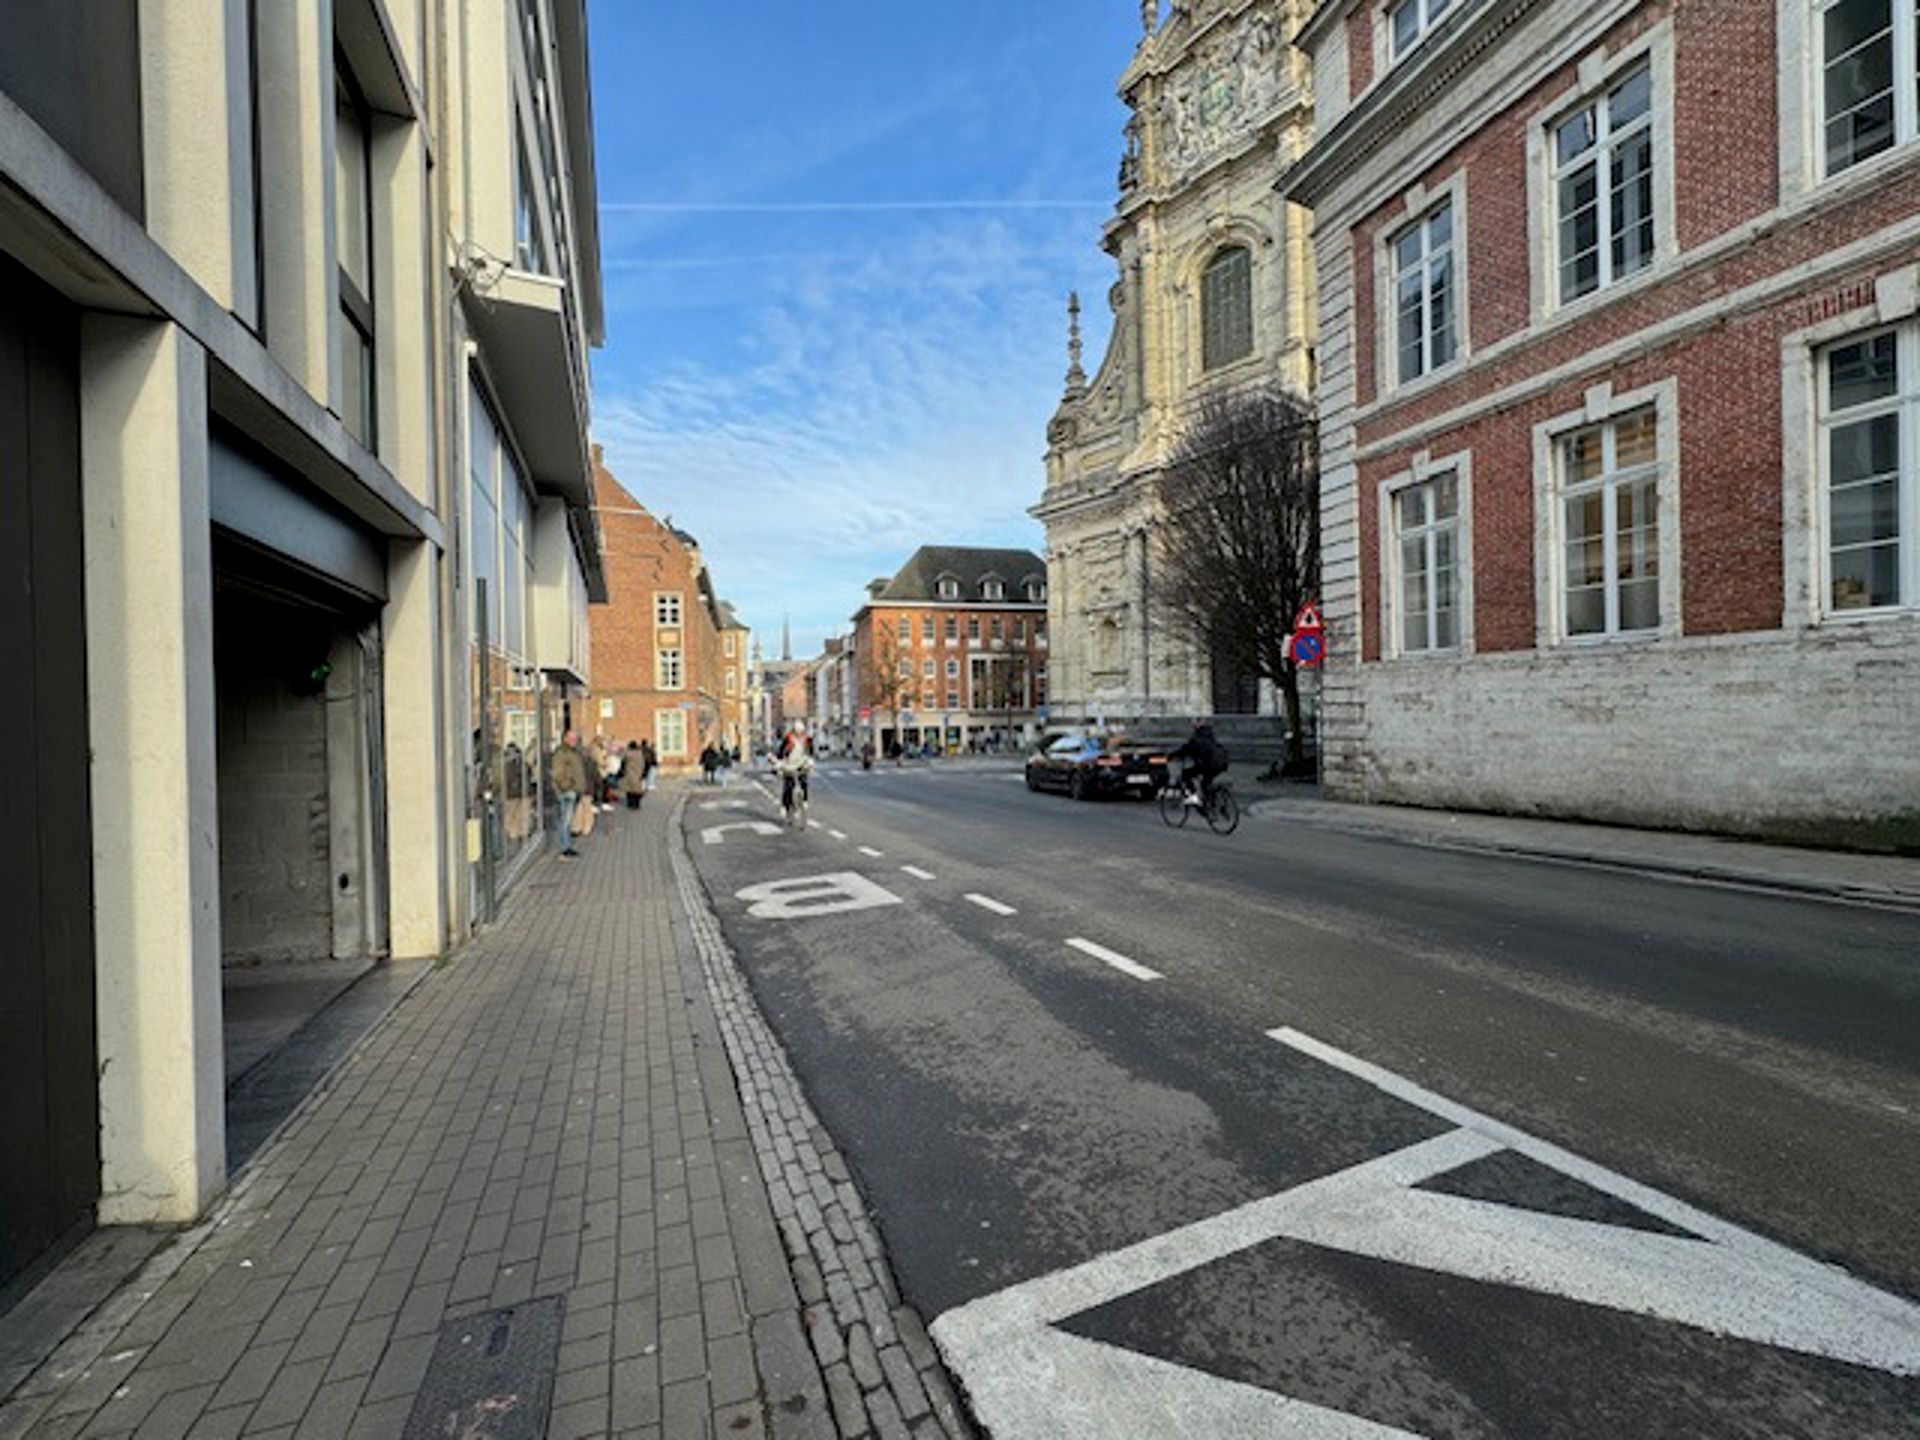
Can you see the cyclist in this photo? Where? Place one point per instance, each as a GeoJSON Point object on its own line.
{"type": "Point", "coordinates": [1205, 758]}
{"type": "Point", "coordinates": [794, 761]}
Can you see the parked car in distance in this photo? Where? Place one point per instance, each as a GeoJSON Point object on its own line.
{"type": "Point", "coordinates": [1085, 766]}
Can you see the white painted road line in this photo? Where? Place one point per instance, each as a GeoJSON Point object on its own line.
{"type": "Point", "coordinates": [917, 872]}
{"type": "Point", "coordinates": [869, 850]}
{"type": "Point", "coordinates": [1114, 958]}
{"type": "Point", "coordinates": [987, 902]}
{"type": "Point", "coordinates": [838, 834]}
{"type": "Point", "coordinates": [815, 824]}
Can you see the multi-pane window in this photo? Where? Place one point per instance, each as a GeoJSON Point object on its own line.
{"type": "Point", "coordinates": [926, 629]}
{"type": "Point", "coordinates": [996, 630]}
{"type": "Point", "coordinates": [733, 681]}
{"type": "Point", "coordinates": [1424, 330]}
{"type": "Point", "coordinates": [1603, 186]}
{"type": "Point", "coordinates": [1610, 493]}
{"type": "Point", "coordinates": [1870, 78]}
{"type": "Point", "coordinates": [926, 668]}
{"type": "Point", "coordinates": [353, 240]}
{"type": "Point", "coordinates": [991, 589]}
{"type": "Point", "coordinates": [903, 630]}
{"type": "Point", "coordinates": [1409, 21]}
{"type": "Point", "coordinates": [670, 731]}
{"type": "Point", "coordinates": [1019, 631]}
{"type": "Point", "coordinates": [906, 668]}
{"type": "Point", "coordinates": [1036, 590]}
{"type": "Point", "coordinates": [668, 670]}
{"type": "Point", "coordinates": [666, 608]}
{"type": "Point", "coordinates": [1870, 422]}
{"type": "Point", "coordinates": [953, 628]}
{"type": "Point", "coordinates": [528, 252]}
{"type": "Point", "coordinates": [953, 699]}
{"type": "Point", "coordinates": [1226, 308]}
{"type": "Point", "coordinates": [953, 669]}
{"type": "Point", "coordinates": [973, 628]}
{"type": "Point", "coordinates": [948, 588]}
{"type": "Point", "coordinates": [1426, 520]}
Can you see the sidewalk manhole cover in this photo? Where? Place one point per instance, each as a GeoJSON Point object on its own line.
{"type": "Point", "coordinates": [491, 1376]}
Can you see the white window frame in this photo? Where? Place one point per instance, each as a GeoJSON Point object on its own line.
{"type": "Point", "coordinates": [947, 588]}
{"type": "Point", "coordinates": [1424, 470]}
{"type": "Point", "coordinates": [993, 588]}
{"type": "Point", "coordinates": [926, 629]}
{"type": "Point", "coordinates": [1598, 74]}
{"type": "Point", "coordinates": [926, 668]}
{"type": "Point", "coordinates": [1422, 205]}
{"type": "Point", "coordinates": [953, 669]}
{"type": "Point", "coordinates": [669, 609]}
{"type": "Point", "coordinates": [1905, 403]}
{"type": "Point", "coordinates": [1428, 13]}
{"type": "Point", "coordinates": [670, 732]}
{"type": "Point", "coordinates": [951, 632]}
{"type": "Point", "coordinates": [670, 668]}
{"type": "Point", "coordinates": [1549, 514]}
{"type": "Point", "coordinates": [1904, 16]}
{"type": "Point", "coordinates": [903, 630]}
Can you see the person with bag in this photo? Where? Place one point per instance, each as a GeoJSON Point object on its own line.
{"type": "Point", "coordinates": [571, 775]}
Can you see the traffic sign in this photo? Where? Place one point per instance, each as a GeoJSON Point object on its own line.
{"type": "Point", "coordinates": [1309, 647]}
{"type": "Point", "coordinates": [1308, 618]}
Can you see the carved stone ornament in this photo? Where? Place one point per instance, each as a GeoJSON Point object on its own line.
{"type": "Point", "coordinates": [1218, 94]}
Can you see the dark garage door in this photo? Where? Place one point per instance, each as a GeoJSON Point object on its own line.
{"type": "Point", "coordinates": [49, 1110]}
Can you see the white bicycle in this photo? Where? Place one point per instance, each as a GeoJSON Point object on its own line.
{"type": "Point", "coordinates": [793, 799]}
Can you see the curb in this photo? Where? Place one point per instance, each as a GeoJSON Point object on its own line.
{"type": "Point", "coordinates": [853, 1334]}
{"type": "Point", "coordinates": [1904, 901]}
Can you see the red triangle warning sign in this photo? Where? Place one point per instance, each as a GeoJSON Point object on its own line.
{"type": "Point", "coordinates": [1308, 618]}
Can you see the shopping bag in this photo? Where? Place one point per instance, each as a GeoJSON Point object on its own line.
{"type": "Point", "coordinates": [583, 815]}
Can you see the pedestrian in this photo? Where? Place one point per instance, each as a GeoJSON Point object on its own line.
{"type": "Point", "coordinates": [610, 776]}
{"type": "Point", "coordinates": [571, 776]}
{"type": "Point", "coordinates": [633, 775]}
{"type": "Point", "coordinates": [709, 763]}
{"type": "Point", "coordinates": [650, 760]}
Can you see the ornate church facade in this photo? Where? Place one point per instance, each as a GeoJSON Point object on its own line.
{"type": "Point", "coordinates": [1214, 291]}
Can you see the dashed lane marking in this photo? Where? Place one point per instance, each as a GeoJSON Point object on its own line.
{"type": "Point", "coordinates": [917, 872]}
{"type": "Point", "coordinates": [838, 834]}
{"type": "Point", "coordinates": [814, 824]}
{"type": "Point", "coordinates": [1124, 964]}
{"type": "Point", "coordinates": [987, 902]}
{"type": "Point", "coordinates": [869, 850]}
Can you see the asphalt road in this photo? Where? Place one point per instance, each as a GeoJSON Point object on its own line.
{"type": "Point", "coordinates": [1310, 1134]}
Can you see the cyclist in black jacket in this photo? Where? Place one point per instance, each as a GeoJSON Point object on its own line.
{"type": "Point", "coordinates": [1205, 757]}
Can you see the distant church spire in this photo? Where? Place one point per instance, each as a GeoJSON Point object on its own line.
{"type": "Point", "coordinates": [1076, 377]}
{"type": "Point", "coordinates": [786, 637]}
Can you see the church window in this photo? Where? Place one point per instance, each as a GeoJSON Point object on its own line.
{"type": "Point", "coordinates": [1226, 308]}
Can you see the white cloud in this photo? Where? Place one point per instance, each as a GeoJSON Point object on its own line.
{"type": "Point", "coordinates": [892, 397]}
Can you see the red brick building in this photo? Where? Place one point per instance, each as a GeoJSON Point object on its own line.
{"type": "Point", "coordinates": [953, 648]}
{"type": "Point", "coordinates": [1620, 395]}
{"type": "Point", "coordinates": [669, 656]}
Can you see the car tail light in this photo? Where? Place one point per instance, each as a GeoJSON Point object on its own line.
{"type": "Point", "coordinates": [1109, 760]}
{"type": "Point", "coordinates": [1156, 759]}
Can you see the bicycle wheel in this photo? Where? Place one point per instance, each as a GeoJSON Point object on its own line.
{"type": "Point", "coordinates": [1173, 805]}
{"type": "Point", "coordinates": [1224, 814]}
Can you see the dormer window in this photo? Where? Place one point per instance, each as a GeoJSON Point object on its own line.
{"type": "Point", "coordinates": [1409, 21]}
{"type": "Point", "coordinates": [947, 588]}
{"type": "Point", "coordinates": [993, 588]}
{"type": "Point", "coordinates": [1036, 591]}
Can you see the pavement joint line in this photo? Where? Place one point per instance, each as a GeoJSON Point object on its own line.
{"type": "Point", "coordinates": [917, 872]}
{"type": "Point", "coordinates": [1126, 965]}
{"type": "Point", "coordinates": [869, 850]}
{"type": "Point", "coordinates": [987, 902]}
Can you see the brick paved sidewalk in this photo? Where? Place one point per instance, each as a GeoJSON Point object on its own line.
{"type": "Point", "coordinates": [552, 1113]}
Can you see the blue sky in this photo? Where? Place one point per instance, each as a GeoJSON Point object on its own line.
{"type": "Point", "coordinates": [837, 242]}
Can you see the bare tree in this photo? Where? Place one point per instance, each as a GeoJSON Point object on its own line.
{"type": "Point", "coordinates": [1240, 537]}
{"type": "Point", "coordinates": [888, 678]}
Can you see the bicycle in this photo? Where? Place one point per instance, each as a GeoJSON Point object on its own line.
{"type": "Point", "coordinates": [793, 801]}
{"type": "Point", "coordinates": [1180, 798]}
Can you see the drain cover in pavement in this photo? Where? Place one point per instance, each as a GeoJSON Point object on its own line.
{"type": "Point", "coordinates": [491, 1376]}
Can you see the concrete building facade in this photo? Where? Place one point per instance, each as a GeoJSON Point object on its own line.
{"type": "Point", "coordinates": [1214, 292]}
{"type": "Point", "coordinates": [1620, 396]}
{"type": "Point", "coordinates": [234, 363]}
{"type": "Point", "coordinates": [954, 650]}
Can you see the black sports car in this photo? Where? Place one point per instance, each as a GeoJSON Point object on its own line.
{"type": "Point", "coordinates": [1088, 765]}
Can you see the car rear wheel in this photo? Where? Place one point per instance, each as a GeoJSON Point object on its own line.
{"type": "Point", "coordinates": [1077, 787]}
{"type": "Point", "coordinates": [1033, 781]}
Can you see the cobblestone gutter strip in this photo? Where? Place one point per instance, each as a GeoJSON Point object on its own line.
{"type": "Point", "coordinates": [883, 1375]}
